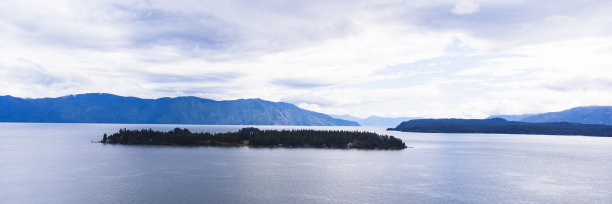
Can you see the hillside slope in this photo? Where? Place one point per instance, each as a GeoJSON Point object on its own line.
{"type": "Point", "coordinates": [108, 108]}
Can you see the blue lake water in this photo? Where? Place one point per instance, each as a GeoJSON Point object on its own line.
{"type": "Point", "coordinates": [57, 163]}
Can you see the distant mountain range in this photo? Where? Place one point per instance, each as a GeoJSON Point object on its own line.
{"type": "Point", "coordinates": [108, 108]}
{"type": "Point", "coordinates": [584, 115]}
{"type": "Point", "coordinates": [375, 120]}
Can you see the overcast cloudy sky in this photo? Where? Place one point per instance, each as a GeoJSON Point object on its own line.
{"type": "Point", "coordinates": [387, 58]}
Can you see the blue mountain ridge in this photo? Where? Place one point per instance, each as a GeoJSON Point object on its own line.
{"type": "Point", "coordinates": [583, 115]}
{"type": "Point", "coordinates": [109, 108]}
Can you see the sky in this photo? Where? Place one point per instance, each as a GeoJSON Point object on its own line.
{"type": "Point", "coordinates": [463, 59]}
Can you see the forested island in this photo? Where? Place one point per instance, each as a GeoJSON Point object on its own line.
{"type": "Point", "coordinates": [254, 137]}
{"type": "Point", "coordinates": [502, 126]}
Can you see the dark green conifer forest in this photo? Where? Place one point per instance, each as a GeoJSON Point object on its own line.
{"type": "Point", "coordinates": [257, 138]}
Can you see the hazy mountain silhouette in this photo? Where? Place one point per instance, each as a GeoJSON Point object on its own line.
{"type": "Point", "coordinates": [512, 117]}
{"type": "Point", "coordinates": [375, 120]}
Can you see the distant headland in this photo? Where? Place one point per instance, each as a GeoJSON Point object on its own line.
{"type": "Point", "coordinates": [254, 137]}
{"type": "Point", "coordinates": [502, 126]}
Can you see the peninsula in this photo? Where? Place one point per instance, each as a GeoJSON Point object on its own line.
{"type": "Point", "coordinates": [502, 126]}
{"type": "Point", "coordinates": [254, 137]}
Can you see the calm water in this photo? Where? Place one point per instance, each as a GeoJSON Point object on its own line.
{"type": "Point", "coordinates": [57, 163]}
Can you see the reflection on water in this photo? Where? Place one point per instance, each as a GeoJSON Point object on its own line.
{"type": "Point", "coordinates": [56, 163]}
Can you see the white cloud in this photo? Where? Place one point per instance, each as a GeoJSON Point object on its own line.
{"type": "Point", "coordinates": [465, 7]}
{"type": "Point", "coordinates": [558, 19]}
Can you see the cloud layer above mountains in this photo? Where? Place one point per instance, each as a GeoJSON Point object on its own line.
{"type": "Point", "coordinates": [388, 58]}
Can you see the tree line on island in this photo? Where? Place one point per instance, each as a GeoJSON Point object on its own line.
{"type": "Point", "coordinates": [257, 138]}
